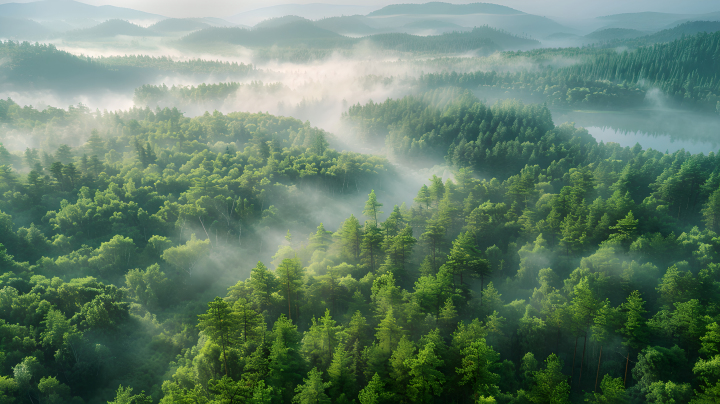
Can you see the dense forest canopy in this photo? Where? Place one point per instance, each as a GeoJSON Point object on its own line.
{"type": "Point", "coordinates": [425, 245]}
{"type": "Point", "coordinates": [120, 239]}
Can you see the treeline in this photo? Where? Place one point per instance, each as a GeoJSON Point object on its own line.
{"type": "Point", "coordinates": [685, 69]}
{"type": "Point", "coordinates": [591, 278]}
{"type": "Point", "coordinates": [43, 66]}
{"type": "Point", "coordinates": [167, 64]}
{"type": "Point", "coordinates": [558, 88]}
{"type": "Point", "coordinates": [203, 94]}
{"type": "Point", "coordinates": [452, 124]}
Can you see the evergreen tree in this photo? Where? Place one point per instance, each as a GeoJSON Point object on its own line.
{"type": "Point", "coordinates": [220, 323]}
{"type": "Point", "coordinates": [313, 390]}
{"type": "Point", "coordinates": [425, 378]}
{"type": "Point", "coordinates": [478, 362]}
{"type": "Point", "coordinates": [372, 207]}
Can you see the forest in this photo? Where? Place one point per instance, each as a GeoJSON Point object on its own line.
{"type": "Point", "coordinates": [586, 274]}
{"type": "Point", "coordinates": [408, 221]}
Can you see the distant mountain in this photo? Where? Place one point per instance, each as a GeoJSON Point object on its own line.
{"type": "Point", "coordinates": [174, 25]}
{"type": "Point", "coordinates": [313, 11]}
{"type": "Point", "coordinates": [279, 21]}
{"type": "Point", "coordinates": [505, 40]}
{"type": "Point", "coordinates": [179, 25]}
{"type": "Point", "coordinates": [294, 33]}
{"type": "Point", "coordinates": [610, 34]}
{"type": "Point", "coordinates": [71, 10]}
{"type": "Point", "coordinates": [305, 34]}
{"type": "Point", "coordinates": [672, 34]}
{"type": "Point", "coordinates": [110, 28]}
{"type": "Point", "coordinates": [646, 21]}
{"type": "Point", "coordinates": [21, 29]}
{"type": "Point", "coordinates": [703, 17]}
{"type": "Point", "coordinates": [431, 24]}
{"type": "Point", "coordinates": [431, 27]}
{"type": "Point", "coordinates": [688, 28]}
{"type": "Point", "coordinates": [562, 35]}
{"type": "Point", "coordinates": [355, 25]}
{"type": "Point", "coordinates": [438, 8]}
{"type": "Point", "coordinates": [218, 22]}
{"type": "Point", "coordinates": [466, 15]}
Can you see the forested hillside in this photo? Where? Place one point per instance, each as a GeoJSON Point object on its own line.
{"type": "Point", "coordinates": [437, 220]}
{"type": "Point", "coordinates": [586, 273]}
{"type": "Point", "coordinates": [685, 69]}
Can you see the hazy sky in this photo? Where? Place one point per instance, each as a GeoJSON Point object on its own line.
{"type": "Point", "coordinates": [558, 8]}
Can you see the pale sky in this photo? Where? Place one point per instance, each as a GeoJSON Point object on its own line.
{"type": "Point", "coordinates": [549, 8]}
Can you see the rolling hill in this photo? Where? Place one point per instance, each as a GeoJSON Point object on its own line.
{"type": "Point", "coordinates": [22, 29]}
{"type": "Point", "coordinates": [71, 10]}
{"type": "Point", "coordinates": [355, 25]}
{"type": "Point", "coordinates": [688, 28]}
{"type": "Point", "coordinates": [279, 21]}
{"type": "Point", "coordinates": [300, 32]}
{"type": "Point", "coordinates": [609, 34]}
{"type": "Point", "coordinates": [306, 34]}
{"type": "Point", "coordinates": [466, 15]}
{"type": "Point", "coordinates": [110, 28]}
{"type": "Point", "coordinates": [179, 25]}
{"type": "Point", "coordinates": [313, 11]}
{"type": "Point", "coordinates": [439, 8]}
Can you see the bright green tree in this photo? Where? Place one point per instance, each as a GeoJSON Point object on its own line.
{"type": "Point", "coordinates": [220, 324]}
{"type": "Point", "coordinates": [313, 390]}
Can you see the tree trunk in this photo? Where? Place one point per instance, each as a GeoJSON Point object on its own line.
{"type": "Point", "coordinates": [288, 297]}
{"type": "Point", "coordinates": [225, 358]}
{"type": "Point", "coordinates": [582, 360]}
{"type": "Point", "coordinates": [572, 375]}
{"type": "Point", "coordinates": [627, 361]}
{"type": "Point", "coordinates": [598, 369]}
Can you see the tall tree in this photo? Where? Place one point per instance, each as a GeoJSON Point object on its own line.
{"type": "Point", "coordinates": [290, 278]}
{"type": "Point", "coordinates": [550, 384]}
{"type": "Point", "coordinates": [425, 378]}
{"type": "Point", "coordinates": [220, 323]}
{"type": "Point", "coordinates": [372, 208]}
{"type": "Point", "coordinates": [478, 362]}
{"type": "Point", "coordinates": [312, 391]}
{"type": "Point", "coordinates": [263, 283]}
{"type": "Point", "coordinates": [351, 236]}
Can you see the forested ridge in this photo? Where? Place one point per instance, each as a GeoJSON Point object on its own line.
{"type": "Point", "coordinates": [684, 69]}
{"type": "Point", "coordinates": [549, 269]}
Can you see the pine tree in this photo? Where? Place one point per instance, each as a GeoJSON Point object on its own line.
{"type": "Point", "coordinates": [289, 276]}
{"type": "Point", "coordinates": [372, 207]}
{"type": "Point", "coordinates": [263, 284]}
{"type": "Point", "coordinates": [478, 362]}
{"type": "Point", "coordinates": [371, 246]}
{"type": "Point", "coordinates": [711, 211]}
{"type": "Point", "coordinates": [351, 236]}
{"type": "Point", "coordinates": [341, 375]}
{"type": "Point", "coordinates": [399, 371]}
{"type": "Point", "coordinates": [389, 332]}
{"type": "Point", "coordinates": [374, 392]}
{"type": "Point", "coordinates": [423, 197]}
{"type": "Point", "coordinates": [550, 384]}
{"type": "Point", "coordinates": [313, 390]}
{"type": "Point", "coordinates": [433, 237]}
{"type": "Point", "coordinates": [219, 323]}
{"type": "Point", "coordinates": [248, 319]}
{"type": "Point", "coordinates": [426, 380]}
